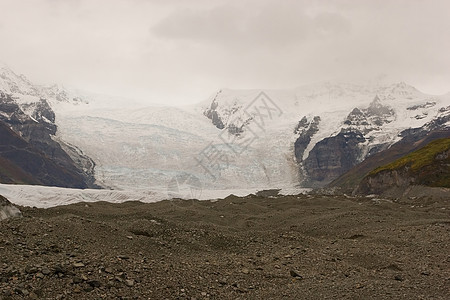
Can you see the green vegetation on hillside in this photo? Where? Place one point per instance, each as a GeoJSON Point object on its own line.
{"type": "Point", "coordinates": [419, 158]}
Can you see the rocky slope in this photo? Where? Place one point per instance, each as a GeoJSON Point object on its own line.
{"type": "Point", "coordinates": [29, 150]}
{"type": "Point", "coordinates": [428, 166]}
{"type": "Point", "coordinates": [364, 132]}
{"type": "Point", "coordinates": [411, 140]}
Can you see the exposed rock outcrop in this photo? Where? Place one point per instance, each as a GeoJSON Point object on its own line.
{"type": "Point", "coordinates": [371, 118]}
{"type": "Point", "coordinates": [212, 114]}
{"type": "Point", "coordinates": [333, 156]}
{"type": "Point", "coordinates": [29, 152]}
{"type": "Point", "coordinates": [428, 166]}
{"type": "Point", "coordinates": [7, 210]}
{"type": "Point", "coordinates": [233, 117]}
{"type": "Point", "coordinates": [306, 130]}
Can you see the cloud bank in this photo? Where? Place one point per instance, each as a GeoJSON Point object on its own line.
{"type": "Point", "coordinates": [182, 51]}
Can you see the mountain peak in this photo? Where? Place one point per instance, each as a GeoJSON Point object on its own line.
{"type": "Point", "coordinates": [12, 83]}
{"type": "Point", "coordinates": [403, 89]}
{"type": "Point", "coordinates": [376, 100]}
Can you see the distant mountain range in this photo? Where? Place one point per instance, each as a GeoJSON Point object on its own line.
{"type": "Point", "coordinates": [311, 136]}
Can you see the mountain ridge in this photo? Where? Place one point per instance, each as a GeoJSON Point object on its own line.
{"type": "Point", "coordinates": [306, 136]}
{"type": "Point", "coordinates": [370, 121]}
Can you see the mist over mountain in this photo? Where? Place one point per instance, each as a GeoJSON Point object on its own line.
{"type": "Point", "coordinates": [236, 139]}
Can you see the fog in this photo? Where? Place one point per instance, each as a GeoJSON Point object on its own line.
{"type": "Point", "coordinates": [180, 52]}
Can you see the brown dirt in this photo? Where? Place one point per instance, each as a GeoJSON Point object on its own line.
{"type": "Point", "coordinates": [236, 248]}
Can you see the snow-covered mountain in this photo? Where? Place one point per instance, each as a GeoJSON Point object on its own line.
{"type": "Point", "coordinates": [25, 91]}
{"type": "Point", "coordinates": [29, 150]}
{"type": "Point", "coordinates": [333, 126]}
{"type": "Point", "coordinates": [249, 138]}
{"type": "Point", "coordinates": [236, 139]}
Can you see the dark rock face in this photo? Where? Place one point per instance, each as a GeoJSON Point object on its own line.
{"type": "Point", "coordinates": [229, 118]}
{"type": "Point", "coordinates": [426, 105]}
{"type": "Point", "coordinates": [27, 164]}
{"type": "Point", "coordinates": [370, 118]}
{"type": "Point", "coordinates": [212, 114]}
{"type": "Point", "coordinates": [333, 156]}
{"type": "Point", "coordinates": [378, 109]}
{"type": "Point", "coordinates": [356, 118]}
{"type": "Point", "coordinates": [28, 152]}
{"type": "Point", "coordinates": [306, 130]}
{"type": "Point", "coordinates": [7, 210]}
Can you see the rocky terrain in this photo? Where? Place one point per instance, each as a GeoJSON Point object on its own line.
{"type": "Point", "coordinates": [30, 152]}
{"type": "Point", "coordinates": [255, 247]}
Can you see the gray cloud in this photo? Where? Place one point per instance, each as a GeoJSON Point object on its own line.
{"type": "Point", "coordinates": [177, 51]}
{"type": "Point", "coordinates": [271, 24]}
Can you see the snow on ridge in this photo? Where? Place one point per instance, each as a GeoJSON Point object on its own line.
{"type": "Point", "coordinates": [136, 146]}
{"type": "Point", "coordinates": [319, 97]}
{"type": "Point", "coordinates": [25, 91]}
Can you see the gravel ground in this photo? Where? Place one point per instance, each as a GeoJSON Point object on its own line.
{"type": "Point", "coordinates": [289, 247]}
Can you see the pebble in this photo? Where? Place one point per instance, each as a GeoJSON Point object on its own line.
{"type": "Point", "coordinates": [295, 274]}
{"type": "Point", "coordinates": [129, 282]}
{"type": "Point", "coordinates": [94, 283]}
{"type": "Point", "coordinates": [23, 292]}
{"type": "Point", "coordinates": [398, 278]}
{"type": "Point", "coordinates": [77, 280]}
{"type": "Point", "coordinates": [88, 288]}
{"type": "Point", "coordinates": [46, 271]}
{"type": "Point", "coordinates": [31, 269]}
{"type": "Point", "coordinates": [78, 265]}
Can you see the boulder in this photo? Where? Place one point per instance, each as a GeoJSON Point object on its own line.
{"type": "Point", "coordinates": [7, 210]}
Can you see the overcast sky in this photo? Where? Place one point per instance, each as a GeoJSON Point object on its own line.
{"type": "Point", "coordinates": [176, 52]}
